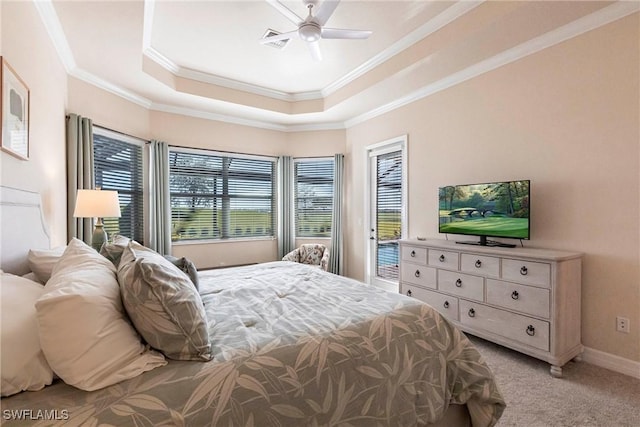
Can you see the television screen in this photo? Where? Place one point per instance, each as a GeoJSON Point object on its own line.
{"type": "Point", "coordinates": [497, 209]}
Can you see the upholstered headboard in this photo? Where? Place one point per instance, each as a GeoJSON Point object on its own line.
{"type": "Point", "coordinates": [22, 228]}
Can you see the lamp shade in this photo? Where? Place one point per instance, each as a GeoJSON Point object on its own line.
{"type": "Point", "coordinates": [97, 204]}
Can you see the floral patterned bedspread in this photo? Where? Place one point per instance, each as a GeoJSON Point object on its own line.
{"type": "Point", "coordinates": [294, 346]}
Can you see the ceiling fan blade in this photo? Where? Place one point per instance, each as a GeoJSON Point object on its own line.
{"type": "Point", "coordinates": [326, 10]}
{"type": "Point", "coordinates": [336, 33]}
{"type": "Point", "coordinates": [314, 48]}
{"type": "Point", "coordinates": [278, 37]}
{"type": "Point", "coordinates": [284, 10]}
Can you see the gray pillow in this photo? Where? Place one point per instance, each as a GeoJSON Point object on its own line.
{"type": "Point", "coordinates": [163, 304]}
{"type": "Point", "coordinates": [188, 267]}
{"type": "Point", "coordinates": [113, 251]}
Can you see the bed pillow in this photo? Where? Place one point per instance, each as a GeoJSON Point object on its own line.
{"type": "Point", "coordinates": [187, 267]}
{"type": "Point", "coordinates": [113, 251]}
{"type": "Point", "coordinates": [83, 328]}
{"type": "Point", "coordinates": [42, 261]}
{"type": "Point", "coordinates": [163, 304]}
{"type": "Point", "coordinates": [23, 365]}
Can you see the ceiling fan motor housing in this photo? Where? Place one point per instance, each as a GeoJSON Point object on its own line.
{"type": "Point", "coordinates": [309, 31]}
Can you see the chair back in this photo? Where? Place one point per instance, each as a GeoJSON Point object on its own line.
{"type": "Point", "coordinates": [311, 253]}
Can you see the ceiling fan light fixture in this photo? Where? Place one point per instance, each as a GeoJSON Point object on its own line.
{"type": "Point", "coordinates": [309, 32]}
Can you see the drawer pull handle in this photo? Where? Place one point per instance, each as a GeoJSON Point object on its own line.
{"type": "Point", "coordinates": [459, 283]}
{"type": "Point", "coordinates": [531, 331]}
{"type": "Point", "coordinates": [417, 273]}
{"type": "Point", "coordinates": [523, 270]}
{"type": "Point", "coordinates": [441, 258]}
{"type": "Point", "coordinates": [413, 254]}
{"type": "Point", "coordinates": [478, 263]}
{"type": "Point", "coordinates": [472, 313]}
{"type": "Point", "coordinates": [409, 293]}
{"type": "Point", "coordinates": [446, 304]}
{"type": "Point", "coordinates": [515, 295]}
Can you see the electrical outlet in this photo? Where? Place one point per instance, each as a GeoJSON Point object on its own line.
{"type": "Point", "coordinates": [622, 324]}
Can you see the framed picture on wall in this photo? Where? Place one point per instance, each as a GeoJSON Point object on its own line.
{"type": "Point", "coordinates": [14, 112]}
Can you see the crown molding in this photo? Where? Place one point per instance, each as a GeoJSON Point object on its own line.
{"type": "Point", "coordinates": [604, 16]}
{"type": "Point", "coordinates": [52, 24]}
{"type": "Point", "coordinates": [580, 26]}
{"type": "Point", "coordinates": [450, 14]}
{"type": "Point", "coordinates": [172, 109]}
{"type": "Point", "coordinates": [94, 80]}
{"type": "Point", "coordinates": [446, 17]}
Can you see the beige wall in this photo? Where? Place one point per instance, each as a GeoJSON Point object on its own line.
{"type": "Point", "coordinates": [568, 119]}
{"type": "Point", "coordinates": [29, 51]}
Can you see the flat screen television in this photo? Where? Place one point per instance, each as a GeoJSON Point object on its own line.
{"type": "Point", "coordinates": [494, 209]}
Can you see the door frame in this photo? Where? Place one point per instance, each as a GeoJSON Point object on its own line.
{"type": "Point", "coordinates": [386, 146]}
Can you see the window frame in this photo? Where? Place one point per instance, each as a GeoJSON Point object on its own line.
{"type": "Point", "coordinates": [143, 144]}
{"type": "Point", "coordinates": [232, 155]}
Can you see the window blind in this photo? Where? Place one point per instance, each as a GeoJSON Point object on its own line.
{"type": "Point", "coordinates": [313, 182]}
{"type": "Point", "coordinates": [118, 165]}
{"type": "Point", "coordinates": [216, 196]}
{"type": "Point", "coordinates": [389, 213]}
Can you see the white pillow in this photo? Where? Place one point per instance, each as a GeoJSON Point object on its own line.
{"type": "Point", "coordinates": [42, 261]}
{"type": "Point", "coordinates": [84, 332]}
{"type": "Point", "coordinates": [23, 366]}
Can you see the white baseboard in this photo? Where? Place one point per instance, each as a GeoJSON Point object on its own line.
{"type": "Point", "coordinates": [611, 362]}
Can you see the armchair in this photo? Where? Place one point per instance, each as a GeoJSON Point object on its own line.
{"type": "Point", "coordinates": [311, 254]}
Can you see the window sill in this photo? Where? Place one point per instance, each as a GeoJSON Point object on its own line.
{"type": "Point", "coordinates": [216, 241]}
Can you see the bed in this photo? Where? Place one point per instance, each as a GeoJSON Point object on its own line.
{"type": "Point", "coordinates": [290, 345]}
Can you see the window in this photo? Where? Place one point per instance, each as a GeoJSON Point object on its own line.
{"type": "Point", "coordinates": [118, 165]}
{"type": "Point", "coordinates": [218, 196]}
{"type": "Point", "coordinates": [313, 187]}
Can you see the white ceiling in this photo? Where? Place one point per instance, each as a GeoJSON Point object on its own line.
{"type": "Point", "coordinates": [117, 45]}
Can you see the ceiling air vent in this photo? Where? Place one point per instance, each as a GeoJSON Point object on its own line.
{"type": "Point", "coordinates": [280, 44]}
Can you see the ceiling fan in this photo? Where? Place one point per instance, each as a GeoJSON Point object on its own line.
{"type": "Point", "coordinates": [311, 29]}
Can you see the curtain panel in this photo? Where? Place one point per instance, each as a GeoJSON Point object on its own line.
{"type": "Point", "coordinates": [286, 238]}
{"type": "Point", "coordinates": [159, 199]}
{"type": "Point", "coordinates": [79, 173]}
{"type": "Point", "coordinates": [336, 251]}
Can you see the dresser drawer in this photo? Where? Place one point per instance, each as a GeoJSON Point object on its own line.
{"type": "Point", "coordinates": [414, 254]}
{"type": "Point", "coordinates": [443, 259]}
{"type": "Point", "coordinates": [526, 330]}
{"type": "Point", "coordinates": [480, 264]}
{"type": "Point", "coordinates": [522, 298]}
{"type": "Point", "coordinates": [464, 285]}
{"type": "Point", "coordinates": [445, 304]}
{"type": "Point", "coordinates": [534, 273]}
{"type": "Point", "coordinates": [418, 275]}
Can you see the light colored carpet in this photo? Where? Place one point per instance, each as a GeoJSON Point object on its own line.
{"type": "Point", "coordinates": [587, 395]}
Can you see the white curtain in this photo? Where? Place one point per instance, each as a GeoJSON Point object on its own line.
{"type": "Point", "coordinates": [286, 238]}
{"type": "Point", "coordinates": [159, 202]}
{"type": "Point", "coordinates": [80, 174]}
{"type": "Point", "coordinates": [336, 263]}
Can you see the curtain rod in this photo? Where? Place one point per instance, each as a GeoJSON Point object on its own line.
{"type": "Point", "coordinates": [223, 151]}
{"type": "Point", "coordinates": [146, 141]}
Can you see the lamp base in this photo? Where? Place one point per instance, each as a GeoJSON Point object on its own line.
{"type": "Point", "coordinates": [99, 237]}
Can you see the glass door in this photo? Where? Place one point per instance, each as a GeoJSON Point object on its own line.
{"type": "Point", "coordinates": [386, 217]}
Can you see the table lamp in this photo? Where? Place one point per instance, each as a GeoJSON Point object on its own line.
{"type": "Point", "coordinates": [97, 204]}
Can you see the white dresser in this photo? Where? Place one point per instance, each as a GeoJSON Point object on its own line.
{"type": "Point", "coordinates": [525, 299]}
